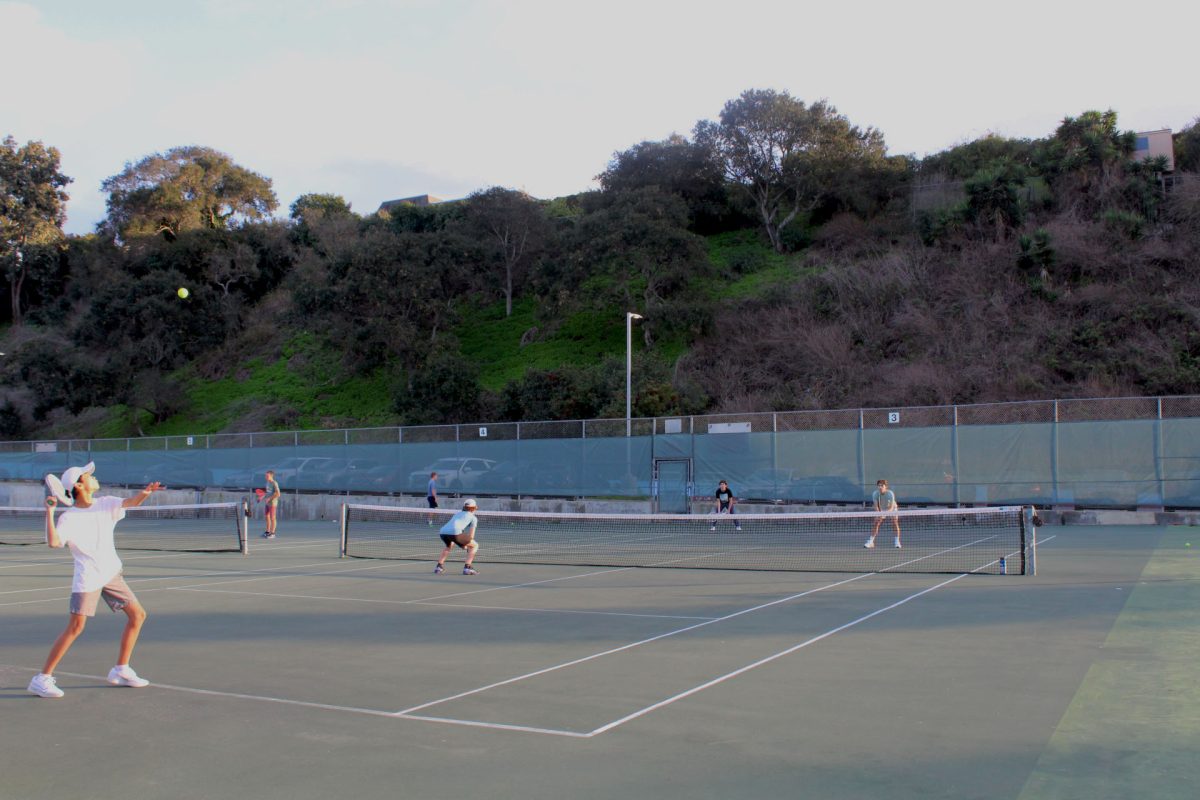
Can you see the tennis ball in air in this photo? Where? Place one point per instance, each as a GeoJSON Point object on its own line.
{"type": "Point", "coordinates": [183, 292]}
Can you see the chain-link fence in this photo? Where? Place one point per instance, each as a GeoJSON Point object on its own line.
{"type": "Point", "coordinates": [1111, 452]}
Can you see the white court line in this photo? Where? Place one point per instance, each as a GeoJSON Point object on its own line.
{"type": "Point", "coordinates": [622, 648]}
{"type": "Point", "coordinates": [266, 574]}
{"type": "Point", "coordinates": [789, 651]}
{"type": "Point", "coordinates": [445, 605]}
{"type": "Point", "coordinates": [374, 712]}
{"type": "Point", "coordinates": [63, 554]}
{"type": "Point", "coordinates": [392, 564]}
{"type": "Point", "coordinates": [262, 574]}
{"type": "Point", "coordinates": [686, 629]}
{"type": "Point", "coordinates": [742, 670]}
{"type": "Point", "coordinates": [408, 713]}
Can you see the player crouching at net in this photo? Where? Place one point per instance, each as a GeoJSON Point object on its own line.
{"type": "Point", "coordinates": [87, 529]}
{"type": "Point", "coordinates": [885, 503]}
{"type": "Point", "coordinates": [725, 501]}
{"type": "Point", "coordinates": [460, 530]}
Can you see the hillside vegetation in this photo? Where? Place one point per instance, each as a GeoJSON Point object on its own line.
{"type": "Point", "coordinates": [780, 257]}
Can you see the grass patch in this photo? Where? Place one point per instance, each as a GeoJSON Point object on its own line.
{"type": "Point", "coordinates": [752, 267]}
{"type": "Point", "coordinates": [742, 251]}
{"type": "Point", "coordinates": [306, 380]}
{"type": "Point", "coordinates": [493, 341]}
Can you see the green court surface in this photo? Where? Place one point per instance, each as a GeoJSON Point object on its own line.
{"type": "Point", "coordinates": [291, 673]}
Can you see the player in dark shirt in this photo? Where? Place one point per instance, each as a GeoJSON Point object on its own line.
{"type": "Point", "coordinates": [725, 501]}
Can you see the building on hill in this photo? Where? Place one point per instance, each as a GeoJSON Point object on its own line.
{"type": "Point", "coordinates": [1152, 144]}
{"type": "Point", "coordinates": [418, 200]}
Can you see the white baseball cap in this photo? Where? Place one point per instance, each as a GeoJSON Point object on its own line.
{"type": "Point", "coordinates": [73, 474]}
{"type": "Point", "coordinates": [61, 488]}
{"type": "Point", "coordinates": [470, 503]}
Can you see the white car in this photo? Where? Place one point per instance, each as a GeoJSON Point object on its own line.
{"type": "Point", "coordinates": [454, 474]}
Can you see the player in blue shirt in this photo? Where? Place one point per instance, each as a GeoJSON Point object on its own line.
{"type": "Point", "coordinates": [460, 531]}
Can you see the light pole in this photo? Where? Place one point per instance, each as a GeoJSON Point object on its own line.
{"type": "Point", "coordinates": [629, 318]}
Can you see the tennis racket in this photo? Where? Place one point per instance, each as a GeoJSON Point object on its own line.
{"type": "Point", "coordinates": [54, 485]}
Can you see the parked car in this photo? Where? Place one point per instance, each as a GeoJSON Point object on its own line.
{"type": "Point", "coordinates": [296, 472]}
{"type": "Point", "coordinates": [454, 474]}
{"type": "Point", "coordinates": [387, 478]}
{"type": "Point", "coordinates": [827, 489]}
{"type": "Point", "coordinates": [347, 474]}
{"type": "Point", "coordinates": [175, 475]}
{"type": "Point", "coordinates": [513, 477]}
{"type": "Point", "coordinates": [766, 484]}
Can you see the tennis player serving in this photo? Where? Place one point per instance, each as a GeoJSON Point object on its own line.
{"type": "Point", "coordinates": [87, 529]}
{"type": "Point", "coordinates": [460, 530]}
{"type": "Point", "coordinates": [885, 503]}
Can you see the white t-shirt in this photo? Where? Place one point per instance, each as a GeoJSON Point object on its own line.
{"type": "Point", "coordinates": [89, 534]}
{"type": "Point", "coordinates": [884, 501]}
{"type": "Point", "coordinates": [460, 522]}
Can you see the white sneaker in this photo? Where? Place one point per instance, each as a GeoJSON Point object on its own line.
{"type": "Point", "coordinates": [897, 542]}
{"type": "Point", "coordinates": [870, 543]}
{"type": "Point", "coordinates": [44, 686]}
{"type": "Point", "coordinates": [125, 676]}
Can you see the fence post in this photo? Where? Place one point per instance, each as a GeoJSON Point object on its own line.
{"type": "Point", "coordinates": [954, 457]}
{"type": "Point", "coordinates": [1054, 457]}
{"type": "Point", "coordinates": [862, 452]}
{"type": "Point", "coordinates": [1158, 456]}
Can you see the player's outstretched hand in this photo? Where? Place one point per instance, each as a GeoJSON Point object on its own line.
{"type": "Point", "coordinates": [51, 501]}
{"type": "Point", "coordinates": [153, 487]}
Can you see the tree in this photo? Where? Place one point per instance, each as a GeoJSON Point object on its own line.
{"type": "Point", "coordinates": [679, 167]}
{"type": "Point", "coordinates": [32, 208]}
{"type": "Point", "coordinates": [310, 208]}
{"type": "Point", "coordinates": [633, 250]}
{"type": "Point", "coordinates": [444, 390]}
{"type": "Point", "coordinates": [383, 296]}
{"type": "Point", "coordinates": [513, 221]}
{"type": "Point", "coordinates": [184, 189]}
{"type": "Point", "coordinates": [1085, 152]}
{"type": "Point", "coordinates": [1187, 148]}
{"type": "Point", "coordinates": [995, 196]}
{"type": "Point", "coordinates": [156, 394]}
{"type": "Point", "coordinates": [965, 160]}
{"type": "Point", "coordinates": [786, 155]}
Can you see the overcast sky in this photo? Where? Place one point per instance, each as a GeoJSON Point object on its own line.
{"type": "Point", "coordinates": [378, 99]}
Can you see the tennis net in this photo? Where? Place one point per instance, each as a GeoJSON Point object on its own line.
{"type": "Point", "coordinates": [197, 528]}
{"type": "Point", "coordinates": [985, 540]}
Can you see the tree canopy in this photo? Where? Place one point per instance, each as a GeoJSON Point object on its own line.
{"type": "Point", "coordinates": [1011, 280]}
{"type": "Point", "coordinates": [184, 189]}
{"type": "Point", "coordinates": [32, 209]}
{"type": "Point", "coordinates": [514, 224]}
{"type": "Point", "coordinates": [785, 154]}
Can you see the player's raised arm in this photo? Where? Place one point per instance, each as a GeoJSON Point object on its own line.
{"type": "Point", "coordinates": [140, 497]}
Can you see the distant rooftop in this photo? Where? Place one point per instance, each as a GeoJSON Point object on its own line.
{"type": "Point", "coordinates": [418, 200]}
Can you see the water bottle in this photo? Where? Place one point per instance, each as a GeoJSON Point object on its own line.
{"type": "Point", "coordinates": [1003, 568]}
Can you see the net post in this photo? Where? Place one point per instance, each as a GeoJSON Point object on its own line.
{"type": "Point", "coordinates": [345, 526]}
{"type": "Point", "coordinates": [244, 528]}
{"type": "Point", "coordinates": [1028, 542]}
{"type": "Point", "coordinates": [1033, 517]}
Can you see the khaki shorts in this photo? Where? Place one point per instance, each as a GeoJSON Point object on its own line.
{"type": "Point", "coordinates": [116, 593]}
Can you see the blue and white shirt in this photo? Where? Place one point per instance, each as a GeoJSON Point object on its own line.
{"type": "Point", "coordinates": [461, 523]}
